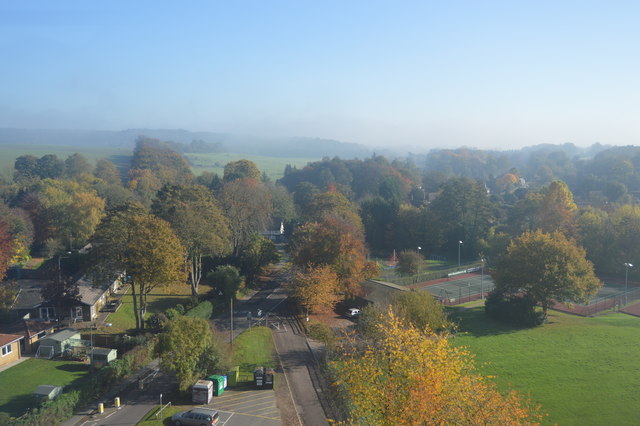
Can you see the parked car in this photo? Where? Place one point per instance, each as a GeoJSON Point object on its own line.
{"type": "Point", "coordinates": [353, 312]}
{"type": "Point", "coordinates": [111, 306]}
{"type": "Point", "coordinates": [195, 416]}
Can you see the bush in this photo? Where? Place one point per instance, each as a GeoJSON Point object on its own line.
{"type": "Point", "coordinates": [514, 309]}
{"type": "Point", "coordinates": [204, 310]}
{"type": "Point", "coordinates": [321, 332]}
{"type": "Point", "coordinates": [51, 412]}
{"type": "Point", "coordinates": [180, 308]}
{"type": "Point", "coordinates": [172, 313]}
{"type": "Point", "coordinates": [157, 321]}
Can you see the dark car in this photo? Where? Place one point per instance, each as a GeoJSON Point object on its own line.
{"type": "Point", "coordinates": [195, 416]}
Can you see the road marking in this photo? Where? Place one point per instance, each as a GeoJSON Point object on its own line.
{"type": "Point", "coordinates": [284, 372]}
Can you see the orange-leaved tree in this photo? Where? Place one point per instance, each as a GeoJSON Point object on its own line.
{"type": "Point", "coordinates": [412, 376]}
{"type": "Point", "coordinates": [315, 288]}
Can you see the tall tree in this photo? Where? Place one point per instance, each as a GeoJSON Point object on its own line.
{"type": "Point", "coordinates": [247, 205]}
{"type": "Point", "coordinates": [63, 293]}
{"type": "Point", "coordinates": [315, 288]}
{"type": "Point", "coordinates": [546, 267]}
{"type": "Point", "coordinates": [258, 253]}
{"type": "Point", "coordinates": [76, 165]}
{"type": "Point", "coordinates": [108, 172]}
{"type": "Point", "coordinates": [189, 348]}
{"type": "Point", "coordinates": [557, 210]}
{"type": "Point", "coordinates": [6, 249]}
{"type": "Point", "coordinates": [130, 239]}
{"type": "Point", "coordinates": [241, 169]}
{"type": "Point", "coordinates": [196, 218]}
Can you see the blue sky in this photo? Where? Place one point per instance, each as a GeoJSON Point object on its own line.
{"type": "Point", "coordinates": [426, 74]}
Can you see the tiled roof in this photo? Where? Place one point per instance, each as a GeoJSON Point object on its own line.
{"type": "Point", "coordinates": [5, 339]}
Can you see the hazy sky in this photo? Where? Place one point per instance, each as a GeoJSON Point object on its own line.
{"type": "Point", "coordinates": [425, 73]}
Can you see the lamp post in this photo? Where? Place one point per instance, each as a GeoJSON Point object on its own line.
{"type": "Point", "coordinates": [459, 244]}
{"type": "Point", "coordinates": [626, 276]}
{"type": "Point", "coordinates": [482, 279]}
{"type": "Point", "coordinates": [59, 268]}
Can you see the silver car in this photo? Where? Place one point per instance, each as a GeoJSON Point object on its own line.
{"type": "Point", "coordinates": [196, 417]}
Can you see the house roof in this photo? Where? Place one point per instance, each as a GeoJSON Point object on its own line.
{"type": "Point", "coordinates": [90, 294]}
{"type": "Point", "coordinates": [30, 297]}
{"type": "Point", "coordinates": [66, 334]}
{"type": "Point", "coordinates": [103, 351]}
{"type": "Point", "coordinates": [6, 339]}
{"type": "Point", "coordinates": [28, 328]}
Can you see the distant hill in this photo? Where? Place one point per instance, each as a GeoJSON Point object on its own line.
{"type": "Point", "coordinates": [274, 147]}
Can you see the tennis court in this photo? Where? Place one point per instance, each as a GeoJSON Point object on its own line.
{"type": "Point", "coordinates": [458, 289]}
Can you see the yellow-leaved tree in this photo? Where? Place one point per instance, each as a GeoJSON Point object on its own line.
{"type": "Point", "coordinates": [409, 376]}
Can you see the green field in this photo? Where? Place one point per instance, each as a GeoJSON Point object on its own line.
{"type": "Point", "coordinates": [215, 162]}
{"type": "Point", "coordinates": [584, 371]}
{"type": "Point", "coordinates": [19, 381]}
{"type": "Point", "coordinates": [272, 166]}
{"type": "Point", "coordinates": [253, 348]}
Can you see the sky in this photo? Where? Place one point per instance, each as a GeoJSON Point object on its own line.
{"type": "Point", "coordinates": [426, 74]}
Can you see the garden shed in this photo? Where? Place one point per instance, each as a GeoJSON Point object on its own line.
{"type": "Point", "coordinates": [57, 343]}
{"type": "Point", "coordinates": [102, 356]}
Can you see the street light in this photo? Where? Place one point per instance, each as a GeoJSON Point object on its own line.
{"type": "Point", "coordinates": [59, 272]}
{"type": "Point", "coordinates": [482, 279]}
{"type": "Point", "coordinates": [626, 276]}
{"type": "Point", "coordinates": [459, 244]}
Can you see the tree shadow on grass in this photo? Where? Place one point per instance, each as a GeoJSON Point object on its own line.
{"type": "Point", "coordinates": [475, 322]}
{"type": "Point", "coordinates": [164, 303]}
{"type": "Point", "coordinates": [73, 368]}
{"type": "Point", "coordinates": [18, 405]}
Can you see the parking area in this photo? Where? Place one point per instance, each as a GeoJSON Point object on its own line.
{"type": "Point", "coordinates": [239, 407]}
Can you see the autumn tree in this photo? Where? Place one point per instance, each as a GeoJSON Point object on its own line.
{"type": "Point", "coordinates": [227, 280]}
{"type": "Point", "coordinates": [189, 348]}
{"type": "Point", "coordinates": [108, 172]}
{"type": "Point", "coordinates": [76, 165]}
{"type": "Point", "coordinates": [247, 205]}
{"type": "Point", "coordinates": [132, 240]}
{"type": "Point", "coordinates": [413, 376]}
{"type": "Point", "coordinates": [241, 169]}
{"type": "Point", "coordinates": [336, 243]}
{"type": "Point", "coordinates": [546, 267]}
{"type": "Point", "coordinates": [63, 293]}
{"type": "Point", "coordinates": [332, 203]}
{"type": "Point", "coordinates": [315, 288]}
{"type": "Point", "coordinates": [196, 218]}
{"type": "Point", "coordinates": [557, 210]}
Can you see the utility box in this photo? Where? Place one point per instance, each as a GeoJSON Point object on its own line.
{"type": "Point", "coordinates": [258, 377]}
{"type": "Point", "coordinates": [218, 384]}
{"type": "Point", "coordinates": [268, 378]}
{"type": "Point", "coordinates": [202, 392]}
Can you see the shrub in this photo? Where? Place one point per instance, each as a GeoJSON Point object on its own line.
{"type": "Point", "coordinates": [157, 321]}
{"type": "Point", "coordinates": [514, 309]}
{"type": "Point", "coordinates": [409, 262]}
{"type": "Point", "coordinates": [172, 313]}
{"type": "Point", "coordinates": [322, 332]}
{"type": "Point", "coordinates": [204, 310]}
{"type": "Point", "coordinates": [180, 308]}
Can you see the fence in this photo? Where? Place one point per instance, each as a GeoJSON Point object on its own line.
{"type": "Point", "coordinates": [601, 304]}
{"type": "Point", "coordinates": [430, 276]}
{"type": "Point", "coordinates": [450, 300]}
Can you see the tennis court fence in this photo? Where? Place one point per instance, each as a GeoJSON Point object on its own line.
{"type": "Point", "coordinates": [615, 302]}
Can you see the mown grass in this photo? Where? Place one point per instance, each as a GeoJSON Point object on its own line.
{"type": "Point", "coordinates": [253, 348]}
{"type": "Point", "coordinates": [150, 419]}
{"type": "Point", "coordinates": [124, 319]}
{"type": "Point", "coordinates": [583, 371]}
{"type": "Point", "coordinates": [20, 381]}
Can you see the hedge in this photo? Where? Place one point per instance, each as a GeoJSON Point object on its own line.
{"type": "Point", "coordinates": [203, 310]}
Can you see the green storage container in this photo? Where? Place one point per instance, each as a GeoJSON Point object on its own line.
{"type": "Point", "coordinates": [218, 384]}
{"type": "Point", "coordinates": [234, 376]}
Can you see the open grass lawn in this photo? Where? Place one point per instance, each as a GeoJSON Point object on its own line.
{"type": "Point", "coordinates": [19, 381]}
{"type": "Point", "coordinates": [154, 418]}
{"type": "Point", "coordinates": [124, 319]}
{"type": "Point", "coordinates": [584, 371]}
{"type": "Point", "coordinates": [253, 348]}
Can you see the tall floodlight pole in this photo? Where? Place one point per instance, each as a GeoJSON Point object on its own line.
{"type": "Point", "coordinates": [231, 335]}
{"type": "Point", "coordinates": [482, 279]}
{"type": "Point", "coordinates": [459, 244]}
{"type": "Point", "coordinates": [626, 276]}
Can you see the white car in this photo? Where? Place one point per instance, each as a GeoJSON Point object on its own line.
{"type": "Point", "coordinates": [353, 312]}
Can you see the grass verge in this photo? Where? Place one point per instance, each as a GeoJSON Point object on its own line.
{"type": "Point", "coordinates": [582, 370]}
{"type": "Point", "coordinates": [253, 348]}
{"type": "Point", "coordinates": [20, 381]}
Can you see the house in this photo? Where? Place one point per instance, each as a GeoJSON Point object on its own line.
{"type": "Point", "coordinates": [29, 303]}
{"type": "Point", "coordinates": [9, 348]}
{"type": "Point", "coordinates": [32, 331]}
{"type": "Point", "coordinates": [58, 343]}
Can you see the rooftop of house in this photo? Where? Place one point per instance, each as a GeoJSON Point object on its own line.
{"type": "Point", "coordinates": [6, 339]}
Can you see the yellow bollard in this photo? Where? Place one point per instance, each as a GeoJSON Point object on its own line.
{"type": "Point", "coordinates": [116, 402]}
{"type": "Point", "coordinates": [101, 408]}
